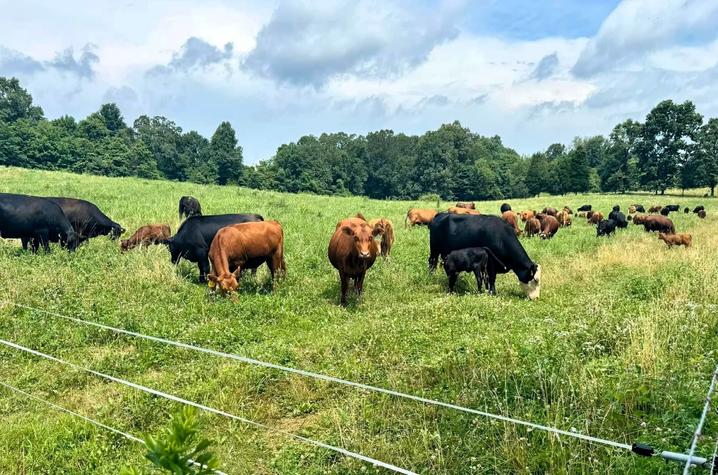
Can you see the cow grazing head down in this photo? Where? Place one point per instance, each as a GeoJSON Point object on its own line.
{"type": "Point", "coordinates": [363, 235]}
{"type": "Point", "coordinates": [226, 283]}
{"type": "Point", "coordinates": [73, 240]}
{"type": "Point", "coordinates": [116, 231]}
{"type": "Point", "coordinates": [532, 287]}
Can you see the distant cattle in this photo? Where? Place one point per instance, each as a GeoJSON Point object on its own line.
{"type": "Point", "coordinates": [550, 211]}
{"type": "Point", "coordinates": [639, 208]}
{"type": "Point", "coordinates": [596, 217]}
{"type": "Point", "coordinates": [505, 207]}
{"type": "Point", "coordinates": [386, 231]}
{"type": "Point", "coordinates": [419, 216]}
{"type": "Point", "coordinates": [549, 225]}
{"type": "Point", "coordinates": [564, 218]}
{"type": "Point", "coordinates": [686, 210]}
{"type": "Point", "coordinates": [655, 209]}
{"type": "Point", "coordinates": [526, 215]}
{"type": "Point", "coordinates": [189, 206]}
{"type": "Point", "coordinates": [568, 210]}
{"type": "Point", "coordinates": [245, 246]}
{"type": "Point", "coordinates": [352, 251]}
{"type": "Point", "coordinates": [673, 208]}
{"type": "Point", "coordinates": [466, 204]}
{"type": "Point", "coordinates": [680, 239]}
{"type": "Point", "coordinates": [472, 259]}
{"type": "Point", "coordinates": [618, 217]}
{"type": "Point", "coordinates": [533, 227]}
{"type": "Point", "coordinates": [659, 223]}
{"type": "Point", "coordinates": [665, 211]}
{"type": "Point", "coordinates": [87, 219]}
{"type": "Point", "coordinates": [195, 235]}
{"type": "Point", "coordinates": [702, 214]}
{"type": "Point", "coordinates": [511, 220]}
{"type": "Point", "coordinates": [632, 209]}
{"type": "Point", "coordinates": [449, 232]}
{"type": "Point", "coordinates": [36, 221]}
{"type": "Point", "coordinates": [698, 208]}
{"type": "Point", "coordinates": [584, 208]}
{"type": "Point", "coordinates": [589, 214]}
{"type": "Point", "coordinates": [606, 227]}
{"type": "Point", "coordinates": [639, 219]}
{"type": "Point", "coordinates": [582, 214]}
{"type": "Point", "coordinates": [455, 210]}
{"type": "Point", "coordinates": [146, 235]}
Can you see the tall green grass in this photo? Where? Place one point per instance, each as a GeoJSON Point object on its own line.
{"type": "Point", "coordinates": [620, 345]}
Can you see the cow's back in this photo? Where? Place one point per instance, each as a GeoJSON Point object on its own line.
{"type": "Point", "coordinates": [22, 215]}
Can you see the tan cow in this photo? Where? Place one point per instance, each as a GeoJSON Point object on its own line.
{"type": "Point", "coordinates": [386, 231]}
{"type": "Point", "coordinates": [419, 216]}
{"type": "Point", "coordinates": [352, 251]}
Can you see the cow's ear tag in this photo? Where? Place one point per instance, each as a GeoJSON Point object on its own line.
{"type": "Point", "coordinates": [211, 284]}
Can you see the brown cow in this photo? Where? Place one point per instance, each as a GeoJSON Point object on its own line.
{"type": "Point", "coordinates": [146, 235]}
{"type": "Point", "coordinates": [639, 219]}
{"type": "Point", "coordinates": [680, 239]}
{"type": "Point", "coordinates": [568, 210]}
{"type": "Point", "coordinates": [596, 217]}
{"type": "Point", "coordinates": [533, 226]}
{"type": "Point", "coordinates": [353, 250]}
{"type": "Point", "coordinates": [526, 215]}
{"type": "Point", "coordinates": [655, 209]}
{"type": "Point", "coordinates": [589, 214]}
{"type": "Point", "coordinates": [550, 211]}
{"type": "Point", "coordinates": [702, 214]}
{"type": "Point", "coordinates": [245, 246]}
{"type": "Point", "coordinates": [419, 216]}
{"type": "Point", "coordinates": [466, 204]}
{"type": "Point", "coordinates": [386, 231]}
{"type": "Point", "coordinates": [564, 218]}
{"type": "Point", "coordinates": [510, 218]}
{"type": "Point", "coordinates": [455, 210]}
{"type": "Point", "coordinates": [659, 223]}
{"type": "Point", "coordinates": [549, 225]}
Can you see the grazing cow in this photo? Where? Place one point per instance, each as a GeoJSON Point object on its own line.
{"type": "Point", "coordinates": [549, 225]}
{"type": "Point", "coordinates": [245, 246]}
{"type": "Point", "coordinates": [352, 251]}
{"type": "Point", "coordinates": [550, 211]}
{"type": "Point", "coordinates": [686, 210]}
{"type": "Point", "coordinates": [526, 215]}
{"type": "Point", "coordinates": [655, 209]}
{"type": "Point", "coordinates": [673, 208]}
{"type": "Point", "coordinates": [568, 210]}
{"type": "Point", "coordinates": [449, 232]}
{"type": "Point", "coordinates": [639, 219]}
{"type": "Point", "coordinates": [702, 214]}
{"type": "Point", "coordinates": [582, 214]}
{"type": "Point", "coordinates": [680, 239]}
{"type": "Point", "coordinates": [606, 227]}
{"type": "Point", "coordinates": [618, 217]}
{"type": "Point", "coordinates": [419, 216]}
{"type": "Point", "coordinates": [195, 235]}
{"type": "Point", "coordinates": [87, 219]}
{"type": "Point", "coordinates": [632, 210]}
{"type": "Point", "coordinates": [455, 210]}
{"type": "Point", "coordinates": [659, 223]}
{"type": "Point", "coordinates": [505, 207]}
{"type": "Point", "coordinates": [584, 208]}
{"type": "Point", "coordinates": [589, 214]}
{"type": "Point", "coordinates": [596, 217]}
{"type": "Point", "coordinates": [472, 259]}
{"type": "Point", "coordinates": [564, 218]}
{"type": "Point", "coordinates": [36, 221]}
{"type": "Point", "coordinates": [386, 231]}
{"type": "Point", "coordinates": [466, 204]}
{"type": "Point", "coordinates": [533, 227]}
{"type": "Point", "coordinates": [510, 218]}
{"type": "Point", "coordinates": [189, 206]}
{"type": "Point", "coordinates": [698, 208]}
{"type": "Point", "coordinates": [665, 211]}
{"type": "Point", "coordinates": [639, 208]}
{"type": "Point", "coordinates": [146, 235]}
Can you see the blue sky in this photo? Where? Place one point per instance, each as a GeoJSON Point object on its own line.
{"type": "Point", "coordinates": [532, 72]}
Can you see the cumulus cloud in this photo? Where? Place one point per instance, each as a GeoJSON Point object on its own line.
{"type": "Point", "coordinates": [546, 67]}
{"type": "Point", "coordinates": [306, 43]}
{"type": "Point", "coordinates": [195, 53]}
{"type": "Point", "coordinates": [638, 27]}
{"type": "Point", "coordinates": [16, 63]}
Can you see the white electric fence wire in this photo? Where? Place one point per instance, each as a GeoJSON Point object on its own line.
{"type": "Point", "coordinates": [178, 399]}
{"type": "Point", "coordinates": [699, 427]}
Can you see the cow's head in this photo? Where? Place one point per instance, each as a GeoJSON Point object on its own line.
{"type": "Point", "coordinates": [226, 283]}
{"type": "Point", "coordinates": [175, 250]}
{"type": "Point", "coordinates": [72, 240]}
{"type": "Point", "coordinates": [532, 287]}
{"type": "Point", "coordinates": [124, 245]}
{"type": "Point", "coordinates": [116, 231]}
{"type": "Point", "coordinates": [363, 236]}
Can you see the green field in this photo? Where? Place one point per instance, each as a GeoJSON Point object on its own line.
{"type": "Point", "coordinates": [621, 344]}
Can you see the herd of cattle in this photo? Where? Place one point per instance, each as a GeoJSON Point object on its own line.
{"type": "Point", "coordinates": [223, 246]}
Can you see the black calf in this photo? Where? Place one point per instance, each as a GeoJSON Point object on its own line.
{"type": "Point", "coordinates": [472, 259]}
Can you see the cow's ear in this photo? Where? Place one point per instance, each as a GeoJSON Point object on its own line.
{"type": "Point", "coordinates": [376, 231]}
{"type": "Point", "coordinates": [212, 277]}
{"type": "Point", "coordinates": [347, 230]}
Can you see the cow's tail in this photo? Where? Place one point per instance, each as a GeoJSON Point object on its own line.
{"type": "Point", "coordinates": [496, 259]}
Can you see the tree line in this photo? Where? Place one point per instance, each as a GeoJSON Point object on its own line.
{"type": "Point", "coordinates": [672, 147]}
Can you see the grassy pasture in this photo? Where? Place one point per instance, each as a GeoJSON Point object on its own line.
{"type": "Point", "coordinates": [620, 345]}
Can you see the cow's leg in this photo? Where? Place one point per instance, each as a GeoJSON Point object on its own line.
{"type": "Point", "coordinates": [25, 242]}
{"type": "Point", "coordinates": [44, 239]}
{"type": "Point", "coordinates": [433, 259]}
{"type": "Point", "coordinates": [452, 281]}
{"type": "Point", "coordinates": [479, 280]}
{"type": "Point", "coordinates": [345, 287]}
{"type": "Point", "coordinates": [359, 283]}
{"type": "Point", "coordinates": [203, 264]}
{"type": "Point", "coordinates": [492, 282]}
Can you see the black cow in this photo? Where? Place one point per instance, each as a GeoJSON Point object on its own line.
{"type": "Point", "coordinates": [505, 207]}
{"type": "Point", "coordinates": [672, 207]}
{"type": "Point", "coordinates": [617, 216]}
{"type": "Point", "coordinates": [195, 235]}
{"type": "Point", "coordinates": [35, 220]}
{"type": "Point", "coordinates": [665, 210]}
{"type": "Point", "coordinates": [472, 259]}
{"type": "Point", "coordinates": [699, 208]}
{"type": "Point", "coordinates": [640, 208]}
{"type": "Point", "coordinates": [606, 227]}
{"type": "Point", "coordinates": [584, 208]}
{"type": "Point", "coordinates": [189, 206]}
{"type": "Point", "coordinates": [87, 219]}
{"type": "Point", "coordinates": [449, 232]}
